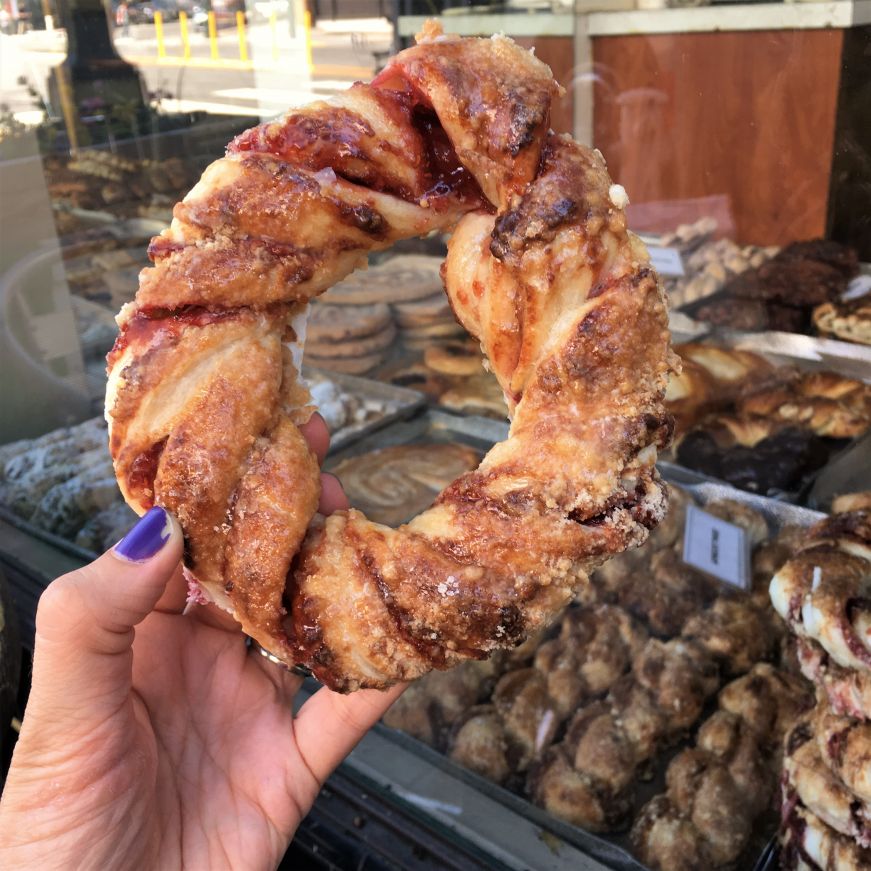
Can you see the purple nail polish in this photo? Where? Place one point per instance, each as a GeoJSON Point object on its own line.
{"type": "Point", "coordinates": [146, 538]}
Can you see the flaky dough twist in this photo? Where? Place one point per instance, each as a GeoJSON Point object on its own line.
{"type": "Point", "coordinates": [204, 401]}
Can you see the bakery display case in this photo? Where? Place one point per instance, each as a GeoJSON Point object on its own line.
{"type": "Point", "coordinates": [667, 716]}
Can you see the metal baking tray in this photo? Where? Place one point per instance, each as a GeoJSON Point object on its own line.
{"type": "Point", "coordinates": [808, 352]}
{"type": "Point", "coordinates": [404, 402]}
{"type": "Point", "coordinates": [609, 850]}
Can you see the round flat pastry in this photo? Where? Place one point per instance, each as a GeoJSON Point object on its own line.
{"type": "Point", "coordinates": [448, 328]}
{"type": "Point", "coordinates": [454, 358]}
{"type": "Point", "coordinates": [436, 305]}
{"type": "Point", "coordinates": [823, 794]}
{"type": "Point", "coordinates": [404, 278]}
{"type": "Point", "coordinates": [393, 484]}
{"type": "Point", "coordinates": [354, 347]}
{"type": "Point", "coordinates": [346, 365]}
{"type": "Point", "coordinates": [333, 323]}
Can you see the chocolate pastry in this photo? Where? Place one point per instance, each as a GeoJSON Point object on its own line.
{"type": "Point", "coordinates": [768, 700]}
{"type": "Point", "coordinates": [664, 839]}
{"type": "Point", "coordinates": [833, 254]}
{"type": "Point", "coordinates": [729, 310]}
{"type": "Point", "coordinates": [594, 648]}
{"type": "Point", "coordinates": [571, 795]}
{"type": "Point", "coordinates": [735, 632]}
{"type": "Point", "coordinates": [800, 282]}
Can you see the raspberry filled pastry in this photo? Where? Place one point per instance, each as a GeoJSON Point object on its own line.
{"type": "Point", "coordinates": [204, 399]}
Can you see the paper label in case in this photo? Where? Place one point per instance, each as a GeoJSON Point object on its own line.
{"type": "Point", "coordinates": [666, 261]}
{"type": "Point", "coordinates": [717, 547]}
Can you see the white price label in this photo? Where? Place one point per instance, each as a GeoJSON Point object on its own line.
{"type": "Point", "coordinates": [859, 286]}
{"type": "Point", "coordinates": [719, 548]}
{"type": "Point", "coordinates": [666, 261]}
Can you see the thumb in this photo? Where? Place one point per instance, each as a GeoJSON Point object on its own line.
{"type": "Point", "coordinates": [84, 622]}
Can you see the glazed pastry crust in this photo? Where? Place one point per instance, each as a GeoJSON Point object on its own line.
{"type": "Point", "coordinates": [204, 402]}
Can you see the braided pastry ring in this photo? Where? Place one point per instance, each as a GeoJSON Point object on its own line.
{"type": "Point", "coordinates": [204, 400]}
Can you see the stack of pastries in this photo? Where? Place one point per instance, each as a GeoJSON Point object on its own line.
{"type": "Point", "coordinates": [761, 428]}
{"type": "Point", "coordinates": [822, 593]}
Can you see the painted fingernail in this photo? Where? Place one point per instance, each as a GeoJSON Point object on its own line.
{"type": "Point", "coordinates": [149, 535]}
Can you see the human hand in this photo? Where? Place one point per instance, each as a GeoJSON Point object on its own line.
{"type": "Point", "coordinates": [174, 745]}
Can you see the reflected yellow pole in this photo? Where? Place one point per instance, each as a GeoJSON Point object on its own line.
{"type": "Point", "coordinates": [307, 25]}
{"type": "Point", "coordinates": [213, 36]}
{"type": "Point", "coordinates": [158, 32]}
{"type": "Point", "coordinates": [273, 26]}
{"type": "Point", "coordinates": [185, 39]}
{"type": "Point", "coordinates": [240, 30]}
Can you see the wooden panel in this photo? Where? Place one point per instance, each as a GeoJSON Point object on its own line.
{"type": "Point", "coordinates": [749, 115]}
{"type": "Point", "coordinates": [558, 53]}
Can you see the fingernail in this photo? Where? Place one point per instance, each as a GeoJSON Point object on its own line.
{"type": "Point", "coordinates": [149, 535]}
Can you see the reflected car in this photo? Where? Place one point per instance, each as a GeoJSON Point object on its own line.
{"type": "Point", "coordinates": [142, 11]}
{"type": "Point", "coordinates": [225, 12]}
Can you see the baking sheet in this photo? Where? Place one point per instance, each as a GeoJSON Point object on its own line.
{"type": "Point", "coordinates": [404, 403]}
{"type": "Point", "coordinates": [611, 850]}
{"type": "Point", "coordinates": [808, 352]}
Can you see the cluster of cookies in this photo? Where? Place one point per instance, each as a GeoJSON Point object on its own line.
{"type": "Point", "coordinates": [823, 594]}
{"type": "Point", "coordinates": [718, 788]}
{"type": "Point", "coordinates": [352, 339]}
{"type": "Point", "coordinates": [709, 264]}
{"type": "Point", "coordinates": [577, 720]}
{"type": "Point", "coordinates": [101, 181]}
